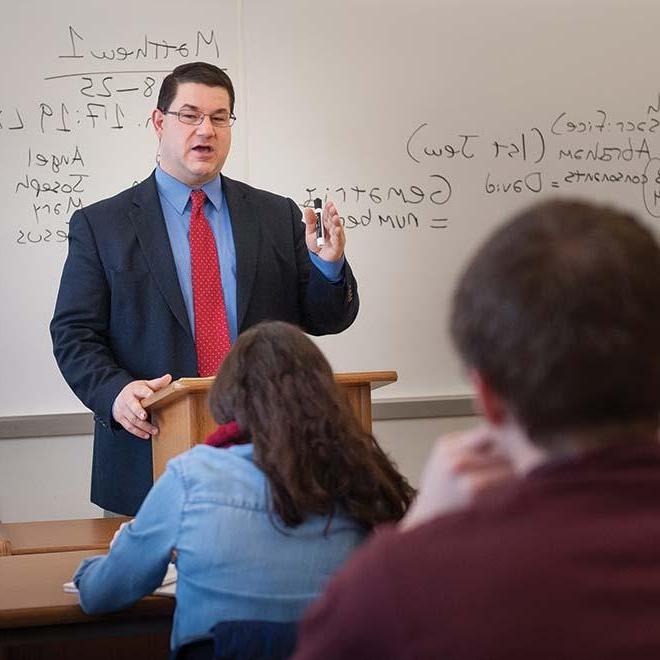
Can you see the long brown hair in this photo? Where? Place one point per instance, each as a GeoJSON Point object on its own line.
{"type": "Point", "coordinates": [279, 388]}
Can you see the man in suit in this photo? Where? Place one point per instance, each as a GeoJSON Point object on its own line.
{"type": "Point", "coordinates": [537, 535]}
{"type": "Point", "coordinates": [160, 279]}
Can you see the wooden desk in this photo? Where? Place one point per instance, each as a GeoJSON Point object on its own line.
{"type": "Point", "coordinates": [57, 535]}
{"type": "Point", "coordinates": [38, 620]}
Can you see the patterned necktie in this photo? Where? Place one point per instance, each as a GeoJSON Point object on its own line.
{"type": "Point", "coordinates": [211, 329]}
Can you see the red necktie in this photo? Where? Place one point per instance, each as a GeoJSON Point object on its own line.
{"type": "Point", "coordinates": [211, 330]}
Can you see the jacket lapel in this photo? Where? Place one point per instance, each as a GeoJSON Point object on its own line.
{"type": "Point", "coordinates": [246, 231]}
{"type": "Point", "coordinates": [147, 218]}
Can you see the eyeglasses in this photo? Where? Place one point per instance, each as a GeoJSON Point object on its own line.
{"type": "Point", "coordinates": [195, 117]}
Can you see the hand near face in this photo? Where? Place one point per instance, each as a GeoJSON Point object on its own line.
{"type": "Point", "coordinates": [335, 238]}
{"type": "Point", "coordinates": [461, 467]}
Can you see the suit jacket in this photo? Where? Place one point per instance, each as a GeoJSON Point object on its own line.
{"type": "Point", "coordinates": [120, 314]}
{"type": "Point", "coordinates": [562, 565]}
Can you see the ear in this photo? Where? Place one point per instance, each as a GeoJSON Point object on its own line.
{"type": "Point", "coordinates": [157, 118]}
{"type": "Point", "coordinates": [490, 404]}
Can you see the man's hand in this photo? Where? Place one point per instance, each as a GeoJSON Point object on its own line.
{"type": "Point", "coordinates": [127, 409]}
{"type": "Point", "coordinates": [461, 466]}
{"type": "Point", "coordinates": [335, 238]}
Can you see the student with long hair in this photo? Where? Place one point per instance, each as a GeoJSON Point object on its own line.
{"type": "Point", "coordinates": [268, 508]}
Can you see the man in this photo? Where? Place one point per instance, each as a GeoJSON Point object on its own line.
{"type": "Point", "coordinates": [557, 319]}
{"type": "Point", "coordinates": [160, 279]}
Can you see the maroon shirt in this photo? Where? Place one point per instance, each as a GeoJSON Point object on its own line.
{"type": "Point", "coordinates": [563, 564]}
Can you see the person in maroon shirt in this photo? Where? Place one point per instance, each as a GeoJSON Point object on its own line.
{"type": "Point", "coordinates": [538, 534]}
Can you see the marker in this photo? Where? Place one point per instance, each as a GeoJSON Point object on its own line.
{"type": "Point", "coordinates": [320, 232]}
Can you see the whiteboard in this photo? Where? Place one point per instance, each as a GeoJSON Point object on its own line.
{"type": "Point", "coordinates": [427, 122]}
{"type": "Point", "coordinates": [372, 101]}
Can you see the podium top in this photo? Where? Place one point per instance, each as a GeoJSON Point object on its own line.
{"type": "Point", "coordinates": [185, 386]}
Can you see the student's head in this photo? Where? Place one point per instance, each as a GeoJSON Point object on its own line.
{"type": "Point", "coordinates": [558, 313]}
{"type": "Point", "coordinates": [280, 390]}
{"type": "Point", "coordinates": [194, 152]}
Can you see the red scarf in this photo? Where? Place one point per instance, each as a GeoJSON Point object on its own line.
{"type": "Point", "coordinates": [226, 435]}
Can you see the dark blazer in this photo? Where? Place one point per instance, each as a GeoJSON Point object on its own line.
{"type": "Point", "coordinates": [120, 314]}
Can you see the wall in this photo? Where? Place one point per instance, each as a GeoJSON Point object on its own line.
{"type": "Point", "coordinates": [48, 478]}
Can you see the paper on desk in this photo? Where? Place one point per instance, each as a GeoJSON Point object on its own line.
{"type": "Point", "coordinates": [167, 586]}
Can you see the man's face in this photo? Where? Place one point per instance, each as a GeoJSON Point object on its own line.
{"type": "Point", "coordinates": [194, 154]}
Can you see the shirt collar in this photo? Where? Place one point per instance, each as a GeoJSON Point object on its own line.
{"type": "Point", "coordinates": [177, 193]}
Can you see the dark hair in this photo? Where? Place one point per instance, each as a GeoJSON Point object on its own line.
{"type": "Point", "coordinates": [559, 311]}
{"type": "Point", "coordinates": [279, 388]}
{"type": "Point", "coordinates": [195, 72]}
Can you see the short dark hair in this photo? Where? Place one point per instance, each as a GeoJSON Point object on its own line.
{"type": "Point", "coordinates": [559, 311]}
{"type": "Point", "coordinates": [195, 72]}
{"type": "Point", "coordinates": [278, 387]}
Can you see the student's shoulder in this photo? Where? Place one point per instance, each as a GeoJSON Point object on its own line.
{"type": "Point", "coordinates": [224, 476]}
{"type": "Point", "coordinates": [202, 459]}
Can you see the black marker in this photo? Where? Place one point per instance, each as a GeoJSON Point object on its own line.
{"type": "Point", "coordinates": [320, 232]}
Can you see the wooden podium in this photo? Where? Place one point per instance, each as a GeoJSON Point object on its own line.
{"type": "Point", "coordinates": [182, 414]}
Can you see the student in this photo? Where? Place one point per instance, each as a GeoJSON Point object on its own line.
{"type": "Point", "coordinates": [557, 319]}
{"type": "Point", "coordinates": [259, 518]}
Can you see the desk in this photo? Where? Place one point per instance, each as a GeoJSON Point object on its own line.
{"type": "Point", "coordinates": [57, 535]}
{"type": "Point", "coordinates": [38, 620]}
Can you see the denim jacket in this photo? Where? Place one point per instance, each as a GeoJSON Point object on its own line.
{"type": "Point", "coordinates": [235, 558]}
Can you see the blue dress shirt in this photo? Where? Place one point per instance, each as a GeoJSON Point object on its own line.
{"type": "Point", "coordinates": [235, 558]}
{"type": "Point", "coordinates": [175, 202]}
